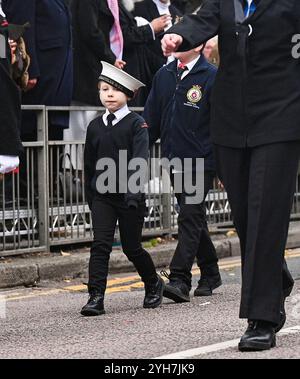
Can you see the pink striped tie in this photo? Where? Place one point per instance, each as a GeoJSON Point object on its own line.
{"type": "Point", "coordinates": [116, 35]}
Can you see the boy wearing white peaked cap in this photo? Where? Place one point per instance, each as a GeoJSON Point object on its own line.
{"type": "Point", "coordinates": [119, 130]}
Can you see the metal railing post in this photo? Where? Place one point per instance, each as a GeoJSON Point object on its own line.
{"type": "Point", "coordinates": [43, 187]}
{"type": "Point", "coordinates": [166, 203]}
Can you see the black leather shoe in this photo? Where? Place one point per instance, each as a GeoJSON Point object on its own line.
{"type": "Point", "coordinates": [207, 284]}
{"type": "Point", "coordinates": [177, 291]}
{"type": "Point", "coordinates": [94, 306]}
{"type": "Point", "coordinates": [154, 294]}
{"type": "Point", "coordinates": [259, 336]}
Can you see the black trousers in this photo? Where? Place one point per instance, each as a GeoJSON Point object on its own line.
{"type": "Point", "coordinates": [106, 211]}
{"type": "Point", "coordinates": [260, 183]}
{"type": "Point", "coordinates": [193, 238]}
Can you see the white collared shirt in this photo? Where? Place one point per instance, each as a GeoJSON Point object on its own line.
{"type": "Point", "coordinates": [120, 114]}
{"type": "Point", "coordinates": [1, 10]}
{"type": "Point", "coordinates": [189, 66]}
{"type": "Point", "coordinates": [162, 8]}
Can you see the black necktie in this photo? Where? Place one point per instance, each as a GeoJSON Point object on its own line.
{"type": "Point", "coordinates": [180, 70]}
{"type": "Point", "coordinates": [110, 118]}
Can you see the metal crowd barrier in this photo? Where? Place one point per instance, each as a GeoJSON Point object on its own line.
{"type": "Point", "coordinates": [44, 204]}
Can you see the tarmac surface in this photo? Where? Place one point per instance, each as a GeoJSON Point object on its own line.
{"type": "Point", "coordinates": [45, 321]}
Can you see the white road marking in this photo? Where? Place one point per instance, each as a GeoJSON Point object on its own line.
{"type": "Point", "coordinates": [219, 346]}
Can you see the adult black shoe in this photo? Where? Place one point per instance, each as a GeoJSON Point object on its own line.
{"type": "Point", "coordinates": [94, 306]}
{"type": "Point", "coordinates": [154, 294]}
{"type": "Point", "coordinates": [207, 284]}
{"type": "Point", "coordinates": [259, 336]}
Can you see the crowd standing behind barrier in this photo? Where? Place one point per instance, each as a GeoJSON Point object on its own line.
{"type": "Point", "coordinates": [44, 204]}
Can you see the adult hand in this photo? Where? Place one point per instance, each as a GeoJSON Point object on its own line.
{"type": "Point", "coordinates": [159, 24]}
{"type": "Point", "coordinates": [120, 64]}
{"type": "Point", "coordinates": [31, 84]}
{"type": "Point", "coordinates": [170, 43]}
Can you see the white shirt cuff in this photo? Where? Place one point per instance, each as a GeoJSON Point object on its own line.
{"type": "Point", "coordinates": [8, 163]}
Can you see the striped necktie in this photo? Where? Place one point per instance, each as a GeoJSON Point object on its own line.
{"type": "Point", "coordinates": [249, 8]}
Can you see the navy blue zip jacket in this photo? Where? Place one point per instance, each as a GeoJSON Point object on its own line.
{"type": "Point", "coordinates": [179, 113]}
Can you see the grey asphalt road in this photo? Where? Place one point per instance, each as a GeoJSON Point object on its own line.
{"type": "Point", "coordinates": [45, 322]}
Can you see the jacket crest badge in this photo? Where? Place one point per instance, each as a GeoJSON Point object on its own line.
{"type": "Point", "coordinates": [194, 95]}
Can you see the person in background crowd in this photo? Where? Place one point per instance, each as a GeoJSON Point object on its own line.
{"type": "Point", "coordinates": [255, 129]}
{"type": "Point", "coordinates": [178, 112]}
{"type": "Point", "coordinates": [151, 9]}
{"type": "Point", "coordinates": [141, 61]}
{"type": "Point", "coordinates": [96, 37]}
{"type": "Point", "coordinates": [104, 30]}
{"type": "Point", "coordinates": [48, 42]}
{"type": "Point", "coordinates": [10, 105]}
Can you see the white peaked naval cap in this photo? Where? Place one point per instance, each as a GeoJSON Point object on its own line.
{"type": "Point", "coordinates": [120, 79]}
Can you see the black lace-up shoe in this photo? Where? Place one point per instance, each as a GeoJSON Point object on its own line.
{"type": "Point", "coordinates": [94, 306]}
{"type": "Point", "coordinates": [176, 290]}
{"type": "Point", "coordinates": [259, 336]}
{"type": "Point", "coordinates": [207, 284]}
{"type": "Point", "coordinates": [154, 294]}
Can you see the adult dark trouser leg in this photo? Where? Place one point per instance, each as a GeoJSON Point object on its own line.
{"type": "Point", "coordinates": [193, 238]}
{"type": "Point", "coordinates": [260, 182]}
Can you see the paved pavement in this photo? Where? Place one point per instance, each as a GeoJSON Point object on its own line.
{"type": "Point", "coordinates": [44, 322]}
{"type": "Point", "coordinates": [29, 270]}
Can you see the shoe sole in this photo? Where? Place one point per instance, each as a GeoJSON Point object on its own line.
{"type": "Point", "coordinates": [200, 294]}
{"type": "Point", "coordinates": [175, 296]}
{"type": "Point", "coordinates": [256, 346]}
{"type": "Point", "coordinates": [157, 304]}
{"type": "Point", "coordinates": [92, 313]}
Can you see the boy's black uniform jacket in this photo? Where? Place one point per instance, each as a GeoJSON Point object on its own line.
{"type": "Point", "coordinates": [179, 113]}
{"type": "Point", "coordinates": [10, 104]}
{"type": "Point", "coordinates": [103, 141]}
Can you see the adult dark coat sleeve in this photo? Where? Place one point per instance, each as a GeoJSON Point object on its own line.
{"type": "Point", "coordinates": [198, 28]}
{"type": "Point", "coordinates": [10, 111]}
